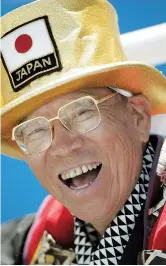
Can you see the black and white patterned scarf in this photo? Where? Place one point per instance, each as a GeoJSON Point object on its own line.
{"type": "Point", "coordinates": [108, 249]}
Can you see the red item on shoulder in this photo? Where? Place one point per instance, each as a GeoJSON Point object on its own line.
{"type": "Point", "coordinates": [54, 218]}
{"type": "Point", "coordinates": [157, 239]}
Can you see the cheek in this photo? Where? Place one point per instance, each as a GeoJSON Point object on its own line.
{"type": "Point", "coordinates": [43, 172]}
{"type": "Point", "coordinates": [37, 165]}
{"type": "Point", "coordinates": [116, 130]}
{"type": "Point", "coordinates": [120, 145]}
{"type": "Point", "coordinates": [106, 135]}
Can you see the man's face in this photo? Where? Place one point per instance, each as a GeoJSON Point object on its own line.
{"type": "Point", "coordinates": [112, 151]}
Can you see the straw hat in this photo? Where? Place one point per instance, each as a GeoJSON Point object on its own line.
{"type": "Point", "coordinates": [52, 47]}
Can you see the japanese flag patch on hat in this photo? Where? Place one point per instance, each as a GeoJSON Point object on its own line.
{"type": "Point", "coordinates": [29, 51]}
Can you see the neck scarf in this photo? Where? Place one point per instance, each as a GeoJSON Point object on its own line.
{"type": "Point", "coordinates": [108, 250]}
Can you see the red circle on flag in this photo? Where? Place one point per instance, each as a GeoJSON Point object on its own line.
{"type": "Point", "coordinates": [23, 43]}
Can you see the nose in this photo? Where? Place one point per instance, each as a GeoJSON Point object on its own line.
{"type": "Point", "coordinates": [64, 142]}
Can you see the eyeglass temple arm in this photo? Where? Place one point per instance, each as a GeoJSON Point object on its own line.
{"type": "Point", "coordinates": [106, 97]}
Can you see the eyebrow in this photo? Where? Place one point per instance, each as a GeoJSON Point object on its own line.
{"type": "Point", "coordinates": [89, 93]}
{"type": "Point", "coordinates": [23, 120]}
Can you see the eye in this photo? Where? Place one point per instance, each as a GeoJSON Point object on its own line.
{"type": "Point", "coordinates": [82, 112]}
{"type": "Point", "coordinates": [82, 115]}
{"type": "Point", "coordinates": [34, 131]}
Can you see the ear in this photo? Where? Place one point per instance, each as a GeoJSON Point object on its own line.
{"type": "Point", "coordinates": [141, 112]}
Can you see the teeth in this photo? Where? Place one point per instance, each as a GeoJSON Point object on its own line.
{"type": "Point", "coordinates": [81, 187]}
{"type": "Point", "coordinates": [94, 165]}
{"type": "Point", "coordinates": [67, 175]}
{"type": "Point", "coordinates": [90, 167]}
{"type": "Point", "coordinates": [63, 176]}
{"type": "Point", "coordinates": [72, 173]}
{"type": "Point", "coordinates": [84, 169]}
{"type": "Point", "coordinates": [78, 171]}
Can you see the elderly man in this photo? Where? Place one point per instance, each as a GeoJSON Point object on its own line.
{"type": "Point", "coordinates": [79, 114]}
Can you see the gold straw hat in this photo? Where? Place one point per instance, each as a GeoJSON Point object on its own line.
{"type": "Point", "coordinates": [52, 47]}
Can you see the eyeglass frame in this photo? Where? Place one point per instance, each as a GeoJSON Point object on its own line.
{"type": "Point", "coordinates": [96, 102]}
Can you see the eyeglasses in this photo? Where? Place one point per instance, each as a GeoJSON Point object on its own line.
{"type": "Point", "coordinates": [79, 116]}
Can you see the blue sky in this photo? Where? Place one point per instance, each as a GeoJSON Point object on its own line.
{"type": "Point", "coordinates": [21, 192]}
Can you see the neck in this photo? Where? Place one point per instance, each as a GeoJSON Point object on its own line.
{"type": "Point", "coordinates": [101, 227]}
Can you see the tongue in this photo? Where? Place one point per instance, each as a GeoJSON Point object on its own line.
{"type": "Point", "coordinates": [84, 178]}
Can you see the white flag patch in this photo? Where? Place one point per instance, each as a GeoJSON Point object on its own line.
{"type": "Point", "coordinates": [29, 51]}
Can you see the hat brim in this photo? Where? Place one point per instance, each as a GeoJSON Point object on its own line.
{"type": "Point", "coordinates": [135, 77]}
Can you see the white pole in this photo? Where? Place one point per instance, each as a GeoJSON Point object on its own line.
{"type": "Point", "coordinates": [146, 45]}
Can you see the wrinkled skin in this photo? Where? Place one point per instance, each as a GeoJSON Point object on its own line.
{"type": "Point", "coordinates": [117, 143]}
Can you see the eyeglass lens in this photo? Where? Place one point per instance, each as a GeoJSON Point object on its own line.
{"type": "Point", "coordinates": [80, 116]}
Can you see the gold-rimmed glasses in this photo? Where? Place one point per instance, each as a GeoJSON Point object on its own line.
{"type": "Point", "coordinates": [79, 116]}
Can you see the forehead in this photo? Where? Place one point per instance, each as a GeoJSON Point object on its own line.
{"type": "Point", "coordinates": [52, 107]}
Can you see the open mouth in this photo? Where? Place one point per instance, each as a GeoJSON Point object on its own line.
{"type": "Point", "coordinates": [81, 177]}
